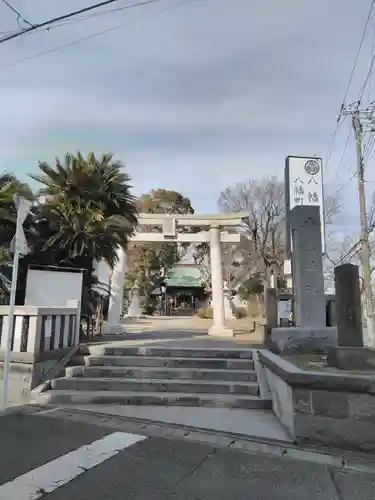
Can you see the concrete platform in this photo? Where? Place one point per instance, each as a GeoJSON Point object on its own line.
{"type": "Point", "coordinates": [259, 424]}
{"type": "Point", "coordinates": [221, 332]}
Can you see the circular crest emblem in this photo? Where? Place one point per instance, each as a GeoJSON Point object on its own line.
{"type": "Point", "coordinates": [312, 167]}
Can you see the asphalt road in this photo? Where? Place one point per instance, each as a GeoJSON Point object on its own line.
{"type": "Point", "coordinates": [152, 468]}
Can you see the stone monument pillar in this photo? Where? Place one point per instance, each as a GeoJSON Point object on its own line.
{"type": "Point", "coordinates": [134, 308]}
{"type": "Point", "coordinates": [117, 293]}
{"type": "Point", "coordinates": [310, 333]}
{"type": "Point", "coordinates": [218, 328]}
{"type": "Point", "coordinates": [228, 311]}
{"type": "Point", "coordinates": [271, 311]}
{"type": "Point", "coordinates": [310, 307]}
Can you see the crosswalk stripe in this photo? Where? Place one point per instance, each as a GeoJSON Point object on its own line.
{"type": "Point", "coordinates": [36, 483]}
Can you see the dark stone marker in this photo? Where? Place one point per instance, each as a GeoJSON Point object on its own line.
{"type": "Point", "coordinates": [271, 307]}
{"type": "Point", "coordinates": [271, 311]}
{"type": "Point", "coordinates": [348, 306]}
{"type": "Point", "coordinates": [331, 310]}
{"type": "Point", "coordinates": [350, 353]}
{"type": "Point", "coordinates": [352, 358]}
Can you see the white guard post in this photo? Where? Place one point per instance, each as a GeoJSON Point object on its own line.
{"type": "Point", "coordinates": [19, 248]}
{"type": "Point", "coordinates": [216, 234]}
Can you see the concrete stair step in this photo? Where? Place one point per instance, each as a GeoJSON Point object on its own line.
{"type": "Point", "coordinates": [145, 372]}
{"type": "Point", "coordinates": [76, 360]}
{"type": "Point", "coordinates": [150, 385]}
{"type": "Point", "coordinates": [153, 399]}
{"type": "Point", "coordinates": [177, 362]}
{"type": "Point", "coordinates": [170, 352]}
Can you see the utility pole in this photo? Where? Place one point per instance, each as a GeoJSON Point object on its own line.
{"type": "Point", "coordinates": [365, 116]}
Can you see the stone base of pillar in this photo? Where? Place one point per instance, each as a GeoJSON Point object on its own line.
{"type": "Point", "coordinates": [303, 340]}
{"type": "Point", "coordinates": [112, 329]}
{"type": "Point", "coordinates": [221, 331]}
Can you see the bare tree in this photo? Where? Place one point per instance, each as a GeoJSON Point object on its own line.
{"type": "Point", "coordinates": [230, 262]}
{"type": "Point", "coordinates": [264, 248]}
{"type": "Point", "coordinates": [347, 249]}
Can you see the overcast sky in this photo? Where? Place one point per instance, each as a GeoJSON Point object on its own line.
{"type": "Point", "coordinates": [192, 95]}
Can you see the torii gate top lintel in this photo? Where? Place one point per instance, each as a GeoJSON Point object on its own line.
{"type": "Point", "coordinates": [170, 222]}
{"type": "Point", "coordinates": [228, 219]}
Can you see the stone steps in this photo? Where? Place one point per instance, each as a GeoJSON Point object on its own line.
{"type": "Point", "coordinates": [149, 385]}
{"type": "Point", "coordinates": [164, 376]}
{"type": "Point", "coordinates": [62, 397]}
{"type": "Point", "coordinates": [147, 372]}
{"type": "Point", "coordinates": [76, 360]}
{"type": "Point", "coordinates": [170, 352]}
{"type": "Point", "coordinates": [165, 361]}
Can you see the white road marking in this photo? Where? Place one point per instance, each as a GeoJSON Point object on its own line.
{"type": "Point", "coordinates": [36, 483]}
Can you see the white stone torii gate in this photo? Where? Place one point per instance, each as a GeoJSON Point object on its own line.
{"type": "Point", "coordinates": [215, 234]}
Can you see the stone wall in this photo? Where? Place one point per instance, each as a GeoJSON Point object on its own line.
{"type": "Point", "coordinates": [343, 419]}
{"type": "Point", "coordinates": [322, 408]}
{"type": "Point", "coordinates": [27, 372]}
{"type": "Point", "coordinates": [282, 400]}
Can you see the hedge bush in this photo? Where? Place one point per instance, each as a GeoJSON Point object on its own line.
{"type": "Point", "coordinates": [241, 312]}
{"type": "Point", "coordinates": [205, 313]}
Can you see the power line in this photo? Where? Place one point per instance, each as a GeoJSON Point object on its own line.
{"type": "Point", "coordinates": [69, 21]}
{"type": "Point", "coordinates": [64, 46]}
{"type": "Point", "coordinates": [333, 138]}
{"type": "Point", "coordinates": [92, 35]}
{"type": "Point", "coordinates": [64, 17]}
{"type": "Point", "coordinates": [351, 76]}
{"type": "Point", "coordinates": [369, 146]}
{"type": "Point", "coordinates": [18, 14]}
{"type": "Point", "coordinates": [94, 15]}
{"type": "Point", "coordinates": [368, 76]}
{"type": "Point", "coordinates": [372, 52]}
{"type": "Point", "coordinates": [358, 53]}
{"type": "Point", "coordinates": [343, 154]}
{"type": "Point", "coordinates": [369, 72]}
{"type": "Point", "coordinates": [354, 174]}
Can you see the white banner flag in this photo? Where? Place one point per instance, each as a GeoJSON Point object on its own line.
{"type": "Point", "coordinates": [19, 241]}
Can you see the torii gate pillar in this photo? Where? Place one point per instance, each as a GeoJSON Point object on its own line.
{"type": "Point", "coordinates": [218, 328]}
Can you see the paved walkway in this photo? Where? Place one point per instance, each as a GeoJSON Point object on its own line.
{"type": "Point", "coordinates": [191, 331]}
{"type": "Point", "coordinates": [55, 459]}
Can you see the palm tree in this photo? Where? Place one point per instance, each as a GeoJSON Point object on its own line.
{"type": "Point", "coordinates": [79, 192]}
{"type": "Point", "coordinates": [102, 182]}
{"type": "Point", "coordinates": [87, 213]}
{"type": "Point", "coordinates": [83, 233]}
